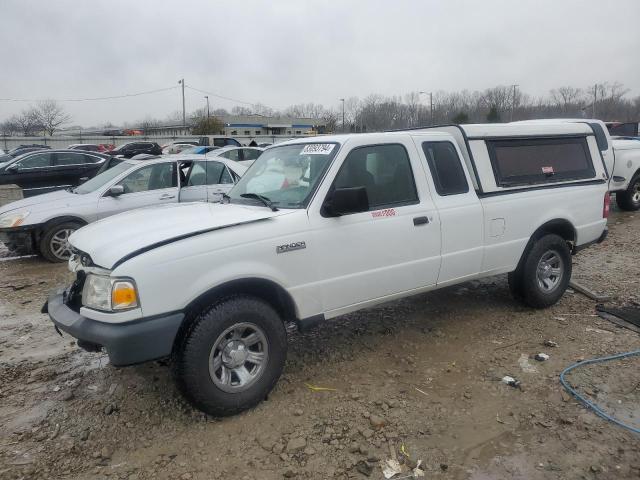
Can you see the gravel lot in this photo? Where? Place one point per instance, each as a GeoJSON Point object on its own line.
{"type": "Point", "coordinates": [419, 377]}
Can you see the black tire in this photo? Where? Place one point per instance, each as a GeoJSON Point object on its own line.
{"type": "Point", "coordinates": [46, 245]}
{"type": "Point", "coordinates": [629, 199]}
{"type": "Point", "coordinates": [197, 348]}
{"type": "Point", "coordinates": [549, 254]}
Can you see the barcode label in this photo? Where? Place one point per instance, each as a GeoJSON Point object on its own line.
{"type": "Point", "coordinates": [318, 149]}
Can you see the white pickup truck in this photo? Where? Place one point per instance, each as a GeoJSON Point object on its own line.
{"type": "Point", "coordinates": [324, 226]}
{"type": "Point", "coordinates": [621, 156]}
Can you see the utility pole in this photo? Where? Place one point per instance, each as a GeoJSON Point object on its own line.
{"type": "Point", "coordinates": [513, 102]}
{"type": "Point", "coordinates": [430, 106]}
{"type": "Point", "coordinates": [595, 99]}
{"type": "Point", "coordinates": [207, 97]}
{"type": "Point", "coordinates": [184, 114]}
{"type": "Point", "coordinates": [342, 100]}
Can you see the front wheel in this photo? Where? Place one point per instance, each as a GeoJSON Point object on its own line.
{"type": "Point", "coordinates": [544, 275]}
{"type": "Point", "coordinates": [629, 199]}
{"type": "Point", "coordinates": [231, 356]}
{"type": "Point", "coordinates": [54, 243]}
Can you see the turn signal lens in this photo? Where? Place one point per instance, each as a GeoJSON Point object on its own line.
{"type": "Point", "coordinates": [123, 295]}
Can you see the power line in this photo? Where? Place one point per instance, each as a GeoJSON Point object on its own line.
{"type": "Point", "coordinates": [220, 96]}
{"type": "Point", "coordinates": [126, 95]}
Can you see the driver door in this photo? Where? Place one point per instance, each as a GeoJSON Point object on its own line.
{"type": "Point", "coordinates": [149, 185]}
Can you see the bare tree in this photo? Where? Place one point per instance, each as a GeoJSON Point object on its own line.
{"type": "Point", "coordinates": [567, 98]}
{"type": "Point", "coordinates": [51, 115]}
{"type": "Point", "coordinates": [27, 122]}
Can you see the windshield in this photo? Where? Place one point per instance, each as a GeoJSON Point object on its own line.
{"type": "Point", "coordinates": [102, 179]}
{"type": "Point", "coordinates": [286, 175]}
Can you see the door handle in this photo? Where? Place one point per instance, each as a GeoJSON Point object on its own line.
{"type": "Point", "coordinates": [166, 196]}
{"type": "Point", "coordinates": [420, 221]}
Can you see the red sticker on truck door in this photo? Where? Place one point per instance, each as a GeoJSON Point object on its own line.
{"type": "Point", "coordinates": [389, 212]}
{"type": "Point", "coordinates": [547, 170]}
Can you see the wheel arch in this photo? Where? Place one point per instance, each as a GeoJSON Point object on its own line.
{"type": "Point", "coordinates": [44, 226]}
{"type": "Point", "coordinates": [558, 226]}
{"type": "Point", "coordinates": [267, 290]}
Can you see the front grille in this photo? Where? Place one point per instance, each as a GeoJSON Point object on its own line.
{"type": "Point", "coordinates": [73, 295]}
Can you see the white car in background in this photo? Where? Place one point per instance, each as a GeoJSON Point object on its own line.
{"type": "Point", "coordinates": [42, 224]}
{"type": "Point", "coordinates": [177, 147]}
{"type": "Point", "coordinates": [244, 155]}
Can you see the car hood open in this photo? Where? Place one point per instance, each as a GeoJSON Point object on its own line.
{"type": "Point", "coordinates": [112, 241]}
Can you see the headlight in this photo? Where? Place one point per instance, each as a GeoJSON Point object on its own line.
{"type": "Point", "coordinates": [13, 219]}
{"type": "Point", "coordinates": [109, 294]}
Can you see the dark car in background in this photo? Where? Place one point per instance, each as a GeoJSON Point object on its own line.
{"type": "Point", "coordinates": [44, 171]}
{"type": "Point", "coordinates": [27, 148]}
{"type": "Point", "coordinates": [132, 149]}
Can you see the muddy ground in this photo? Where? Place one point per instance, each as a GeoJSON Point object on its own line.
{"type": "Point", "coordinates": [419, 376]}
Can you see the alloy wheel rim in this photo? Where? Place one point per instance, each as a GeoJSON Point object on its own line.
{"type": "Point", "coordinates": [636, 192]}
{"type": "Point", "coordinates": [60, 243]}
{"type": "Point", "coordinates": [238, 357]}
{"type": "Point", "coordinates": [550, 271]}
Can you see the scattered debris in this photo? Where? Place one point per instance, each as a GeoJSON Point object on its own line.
{"type": "Point", "coordinates": [422, 392]}
{"type": "Point", "coordinates": [314, 388]}
{"type": "Point", "coordinates": [526, 367]}
{"type": "Point", "coordinates": [588, 293]}
{"type": "Point", "coordinates": [550, 343]}
{"type": "Point", "coordinates": [597, 330]}
{"type": "Point", "coordinates": [55, 433]}
{"type": "Point", "coordinates": [541, 357]}
{"type": "Point", "coordinates": [391, 468]}
{"type": "Point", "coordinates": [512, 382]}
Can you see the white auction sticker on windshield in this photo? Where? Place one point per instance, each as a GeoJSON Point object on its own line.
{"type": "Point", "coordinates": [318, 149]}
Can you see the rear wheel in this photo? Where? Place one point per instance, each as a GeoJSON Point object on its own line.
{"type": "Point", "coordinates": [54, 243]}
{"type": "Point", "coordinates": [629, 199]}
{"type": "Point", "coordinates": [544, 275]}
{"type": "Point", "coordinates": [231, 356]}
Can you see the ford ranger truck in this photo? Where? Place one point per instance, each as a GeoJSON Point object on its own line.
{"type": "Point", "coordinates": [320, 227]}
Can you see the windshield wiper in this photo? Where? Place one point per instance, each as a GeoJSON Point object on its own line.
{"type": "Point", "coordinates": [264, 200]}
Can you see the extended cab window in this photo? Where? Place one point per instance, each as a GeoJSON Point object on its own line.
{"type": "Point", "coordinates": [384, 170]}
{"type": "Point", "coordinates": [446, 169]}
{"type": "Point", "coordinates": [540, 160]}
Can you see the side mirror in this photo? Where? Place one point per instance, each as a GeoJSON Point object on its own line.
{"type": "Point", "coordinates": [12, 168]}
{"type": "Point", "coordinates": [115, 191]}
{"type": "Point", "coordinates": [344, 201]}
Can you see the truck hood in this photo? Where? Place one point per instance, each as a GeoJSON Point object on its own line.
{"type": "Point", "coordinates": [111, 241]}
{"type": "Point", "coordinates": [47, 201]}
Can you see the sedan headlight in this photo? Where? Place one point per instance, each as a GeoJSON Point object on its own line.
{"type": "Point", "coordinates": [109, 294]}
{"type": "Point", "coordinates": [13, 219]}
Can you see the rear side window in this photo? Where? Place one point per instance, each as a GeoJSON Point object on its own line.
{"type": "Point", "coordinates": [69, 159]}
{"type": "Point", "coordinates": [446, 169]}
{"type": "Point", "coordinates": [540, 160]}
{"type": "Point", "coordinates": [214, 172]}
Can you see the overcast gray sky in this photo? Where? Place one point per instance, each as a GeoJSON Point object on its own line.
{"type": "Point", "coordinates": [285, 52]}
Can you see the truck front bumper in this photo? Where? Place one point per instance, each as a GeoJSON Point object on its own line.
{"type": "Point", "coordinates": [126, 343]}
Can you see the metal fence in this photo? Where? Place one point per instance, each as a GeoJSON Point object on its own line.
{"type": "Point", "coordinates": [7, 143]}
